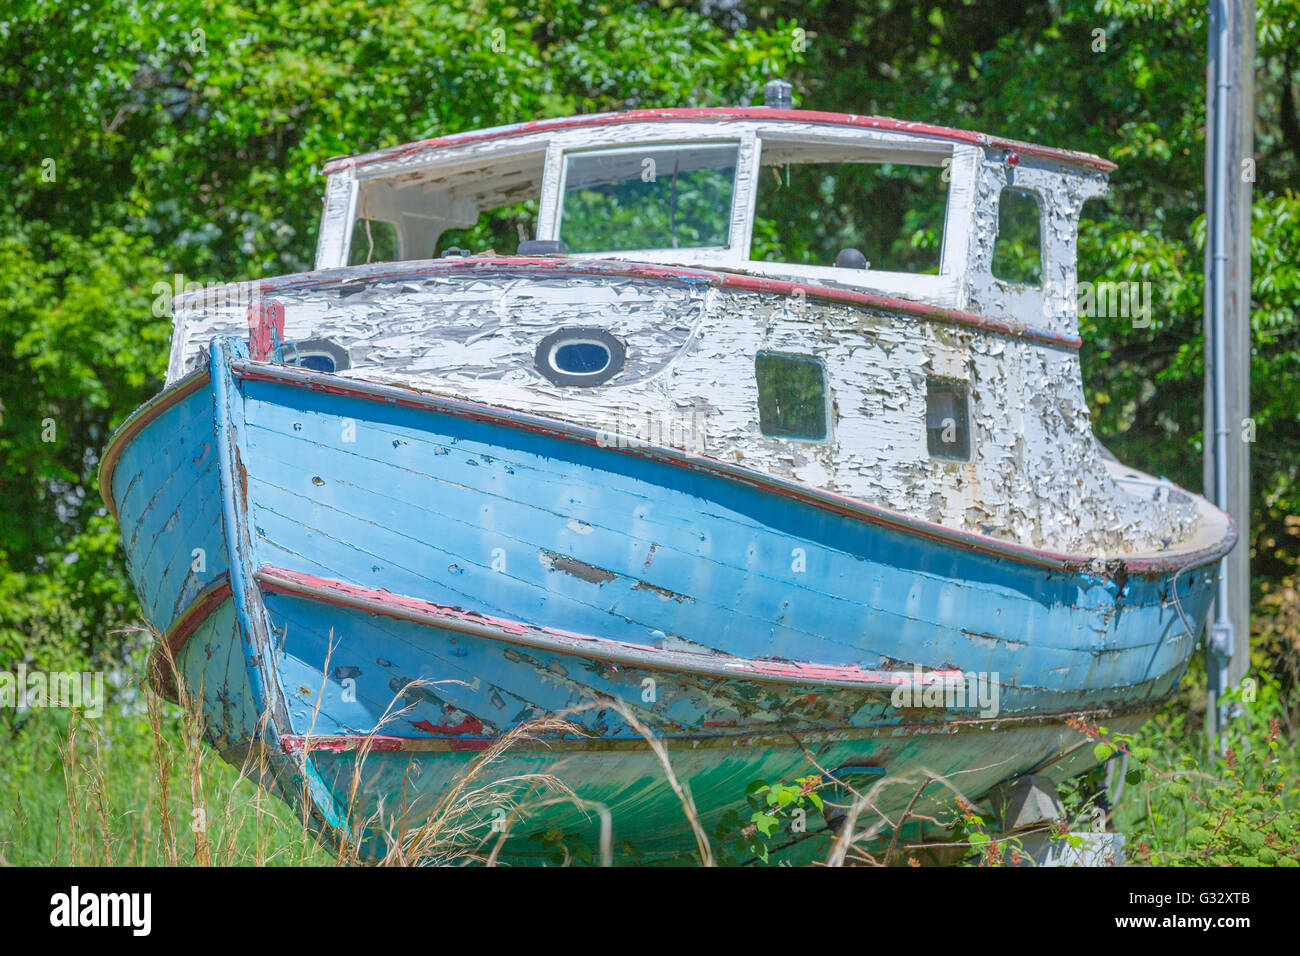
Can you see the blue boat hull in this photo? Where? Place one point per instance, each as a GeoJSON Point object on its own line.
{"type": "Point", "coordinates": [368, 587]}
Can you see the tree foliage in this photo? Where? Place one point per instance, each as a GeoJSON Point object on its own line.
{"type": "Point", "coordinates": [146, 138]}
{"type": "Point", "coordinates": [150, 138]}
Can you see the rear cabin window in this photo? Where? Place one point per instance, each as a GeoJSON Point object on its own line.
{"type": "Point", "coordinates": [791, 396]}
{"type": "Point", "coordinates": [648, 198]}
{"type": "Point", "coordinates": [497, 231]}
{"type": "Point", "coordinates": [815, 203]}
{"type": "Point", "coordinates": [1017, 252]}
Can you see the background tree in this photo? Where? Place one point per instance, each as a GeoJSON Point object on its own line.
{"type": "Point", "coordinates": [148, 138]}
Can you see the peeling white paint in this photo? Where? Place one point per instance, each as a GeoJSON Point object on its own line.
{"type": "Point", "coordinates": [1036, 475]}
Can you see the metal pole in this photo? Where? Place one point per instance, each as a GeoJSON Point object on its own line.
{"type": "Point", "coordinates": [1229, 140]}
{"type": "Point", "coordinates": [1219, 643]}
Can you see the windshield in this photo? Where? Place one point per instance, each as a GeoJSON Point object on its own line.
{"type": "Point", "coordinates": [648, 197]}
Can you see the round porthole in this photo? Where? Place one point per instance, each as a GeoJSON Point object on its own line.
{"type": "Point", "coordinates": [317, 362]}
{"type": "Point", "coordinates": [318, 355]}
{"type": "Point", "coordinates": [579, 356]}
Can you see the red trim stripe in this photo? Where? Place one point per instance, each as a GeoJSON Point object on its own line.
{"type": "Point", "coordinates": [377, 743]}
{"type": "Point", "coordinates": [738, 114]}
{"type": "Point", "coordinates": [417, 610]}
{"type": "Point", "coordinates": [211, 597]}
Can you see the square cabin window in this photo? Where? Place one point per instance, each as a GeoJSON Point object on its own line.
{"type": "Point", "coordinates": [947, 419]}
{"type": "Point", "coordinates": [1018, 250]}
{"type": "Point", "coordinates": [791, 396]}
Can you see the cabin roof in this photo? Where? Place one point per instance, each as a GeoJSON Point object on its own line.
{"type": "Point", "coordinates": [716, 115]}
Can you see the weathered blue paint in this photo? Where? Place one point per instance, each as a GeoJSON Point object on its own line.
{"type": "Point", "coordinates": [169, 531]}
{"type": "Point", "coordinates": [531, 529]}
{"type": "Point", "coordinates": [597, 542]}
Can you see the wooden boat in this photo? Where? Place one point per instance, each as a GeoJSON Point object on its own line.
{"type": "Point", "coordinates": [776, 508]}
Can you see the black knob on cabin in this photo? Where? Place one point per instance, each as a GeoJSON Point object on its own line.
{"type": "Point", "coordinates": [851, 259]}
{"type": "Point", "coordinates": [541, 247]}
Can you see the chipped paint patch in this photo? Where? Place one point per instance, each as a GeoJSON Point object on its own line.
{"type": "Point", "coordinates": [579, 569]}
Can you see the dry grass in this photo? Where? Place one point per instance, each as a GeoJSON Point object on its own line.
{"type": "Point", "coordinates": [192, 809]}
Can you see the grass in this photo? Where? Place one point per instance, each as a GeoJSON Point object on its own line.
{"type": "Point", "coordinates": [132, 789]}
{"type": "Point", "coordinates": [138, 787]}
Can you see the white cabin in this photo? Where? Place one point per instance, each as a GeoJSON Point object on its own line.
{"type": "Point", "coordinates": [420, 191]}
{"type": "Point", "coordinates": [709, 279]}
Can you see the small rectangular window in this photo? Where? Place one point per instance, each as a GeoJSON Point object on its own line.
{"type": "Point", "coordinates": [791, 396]}
{"type": "Point", "coordinates": [1017, 253]}
{"type": "Point", "coordinates": [947, 419]}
